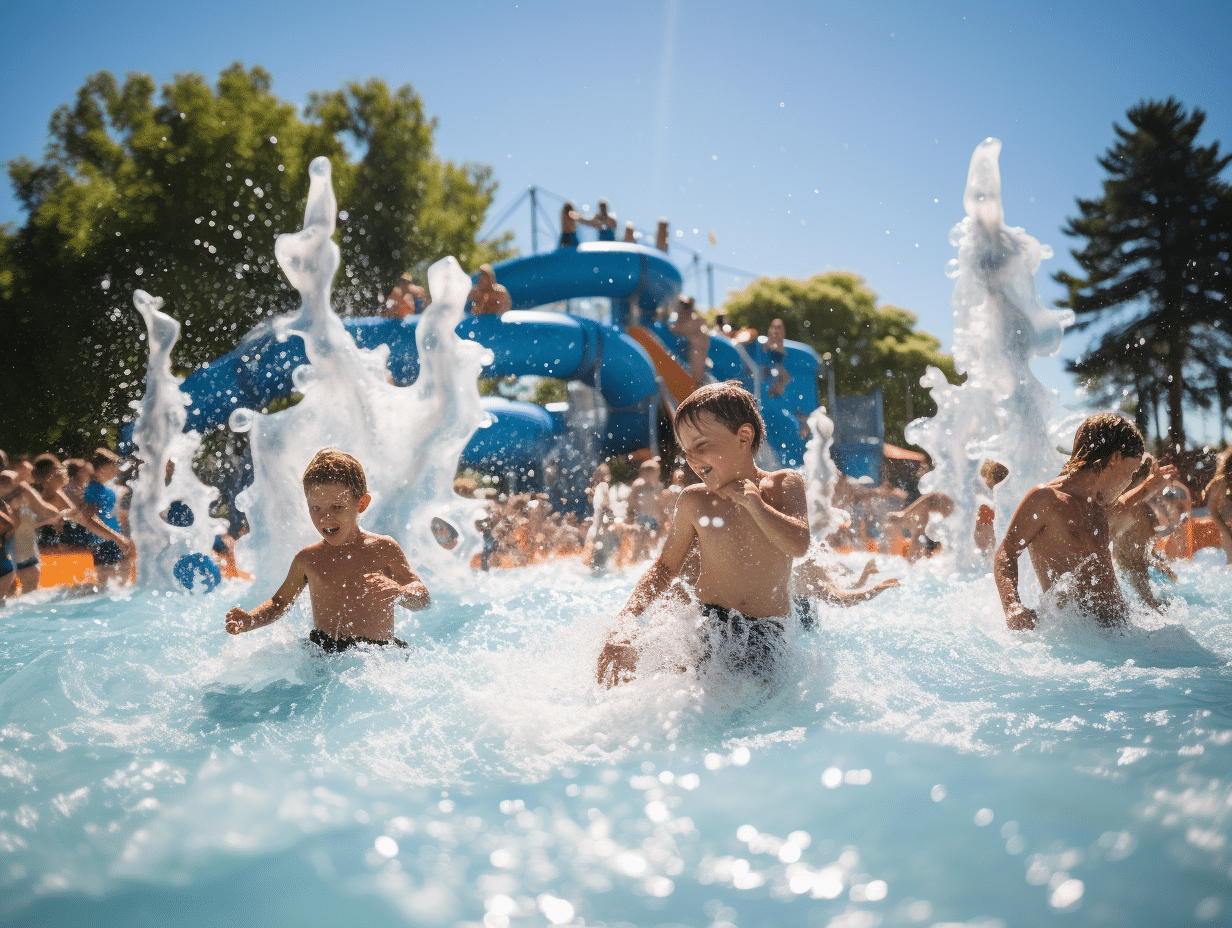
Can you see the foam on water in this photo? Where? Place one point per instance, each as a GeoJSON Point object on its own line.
{"type": "Point", "coordinates": [409, 439]}
{"type": "Point", "coordinates": [1001, 410]}
{"type": "Point", "coordinates": [160, 438]}
{"type": "Point", "coordinates": [147, 757]}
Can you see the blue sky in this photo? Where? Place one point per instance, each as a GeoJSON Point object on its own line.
{"type": "Point", "coordinates": [805, 136]}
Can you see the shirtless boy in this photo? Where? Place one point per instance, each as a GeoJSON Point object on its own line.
{"type": "Point", "coordinates": [354, 577]}
{"type": "Point", "coordinates": [748, 525]}
{"type": "Point", "coordinates": [1218, 495]}
{"type": "Point", "coordinates": [1134, 528]}
{"type": "Point", "coordinates": [1064, 525]}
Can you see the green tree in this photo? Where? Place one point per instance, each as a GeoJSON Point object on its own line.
{"type": "Point", "coordinates": [1157, 258]}
{"type": "Point", "coordinates": [870, 346]}
{"type": "Point", "coordinates": [181, 193]}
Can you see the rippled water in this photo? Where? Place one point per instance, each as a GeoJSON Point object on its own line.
{"type": "Point", "coordinates": [916, 764]}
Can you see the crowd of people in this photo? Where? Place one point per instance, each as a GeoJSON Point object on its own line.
{"type": "Point", "coordinates": [76, 506]}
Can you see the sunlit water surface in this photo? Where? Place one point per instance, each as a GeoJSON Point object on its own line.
{"type": "Point", "coordinates": [914, 764]}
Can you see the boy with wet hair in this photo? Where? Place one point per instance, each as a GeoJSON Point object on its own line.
{"type": "Point", "coordinates": [747, 525]}
{"type": "Point", "coordinates": [354, 578]}
{"type": "Point", "coordinates": [1064, 525]}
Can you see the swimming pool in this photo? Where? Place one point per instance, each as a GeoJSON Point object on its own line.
{"type": "Point", "coordinates": [917, 764]}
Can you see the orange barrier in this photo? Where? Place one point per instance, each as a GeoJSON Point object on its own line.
{"type": "Point", "coordinates": [66, 567]}
{"type": "Point", "coordinates": [1199, 532]}
{"type": "Point", "coordinates": [677, 380]}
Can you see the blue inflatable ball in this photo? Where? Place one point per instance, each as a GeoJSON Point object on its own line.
{"type": "Point", "coordinates": [191, 566]}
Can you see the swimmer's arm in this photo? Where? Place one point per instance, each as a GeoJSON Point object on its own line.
{"type": "Point", "coordinates": [44, 512]}
{"type": "Point", "coordinates": [400, 581]}
{"type": "Point", "coordinates": [666, 567]}
{"type": "Point", "coordinates": [1025, 526]}
{"type": "Point", "coordinates": [270, 611]}
{"type": "Point", "coordinates": [96, 526]}
{"type": "Point", "coordinates": [784, 518]}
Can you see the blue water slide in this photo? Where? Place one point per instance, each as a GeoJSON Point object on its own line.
{"type": "Point", "coordinates": [783, 413]}
{"type": "Point", "coordinates": [622, 272]}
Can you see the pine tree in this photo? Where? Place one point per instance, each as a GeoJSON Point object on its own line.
{"type": "Point", "coordinates": [1157, 258]}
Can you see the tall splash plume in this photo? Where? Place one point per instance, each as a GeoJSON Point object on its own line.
{"type": "Point", "coordinates": [1000, 326]}
{"type": "Point", "coordinates": [820, 475]}
{"type": "Point", "coordinates": [408, 439]}
{"type": "Point", "coordinates": [160, 438]}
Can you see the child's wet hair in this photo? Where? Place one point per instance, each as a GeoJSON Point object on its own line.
{"type": "Point", "coordinates": [1100, 437]}
{"type": "Point", "coordinates": [728, 402]}
{"type": "Point", "coordinates": [330, 465]}
{"type": "Point", "coordinates": [101, 457]}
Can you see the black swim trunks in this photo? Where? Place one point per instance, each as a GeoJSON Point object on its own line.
{"type": "Point", "coordinates": [332, 645]}
{"type": "Point", "coordinates": [747, 644]}
{"type": "Point", "coordinates": [568, 240]}
{"type": "Point", "coordinates": [106, 552]}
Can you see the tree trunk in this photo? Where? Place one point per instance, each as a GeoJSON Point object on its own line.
{"type": "Point", "coordinates": [1176, 395]}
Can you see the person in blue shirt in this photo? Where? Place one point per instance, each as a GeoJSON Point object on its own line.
{"type": "Point", "coordinates": [113, 551]}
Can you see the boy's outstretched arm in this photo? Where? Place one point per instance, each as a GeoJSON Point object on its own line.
{"type": "Point", "coordinates": [240, 620]}
{"type": "Point", "coordinates": [618, 659]}
{"type": "Point", "coordinates": [783, 518]}
{"type": "Point", "coordinates": [1026, 524]}
{"type": "Point", "coordinates": [400, 582]}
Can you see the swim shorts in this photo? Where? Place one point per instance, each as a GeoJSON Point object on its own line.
{"type": "Point", "coordinates": [607, 235]}
{"type": "Point", "coordinates": [760, 638]}
{"type": "Point", "coordinates": [805, 610]}
{"type": "Point", "coordinates": [332, 645]}
{"type": "Point", "coordinates": [568, 240]}
{"type": "Point", "coordinates": [106, 552]}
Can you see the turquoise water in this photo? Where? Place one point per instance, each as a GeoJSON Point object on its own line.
{"type": "Point", "coordinates": [914, 764]}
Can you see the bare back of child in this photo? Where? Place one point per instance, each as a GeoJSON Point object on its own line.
{"type": "Point", "coordinates": [1063, 524]}
{"type": "Point", "coordinates": [747, 526]}
{"type": "Point", "coordinates": [354, 578]}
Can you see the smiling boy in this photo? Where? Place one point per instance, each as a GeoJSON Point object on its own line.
{"type": "Point", "coordinates": [353, 577]}
{"type": "Point", "coordinates": [748, 525]}
{"type": "Point", "coordinates": [1064, 525]}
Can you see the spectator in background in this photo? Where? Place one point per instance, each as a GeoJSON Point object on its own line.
{"type": "Point", "coordinates": [661, 234]}
{"type": "Point", "coordinates": [568, 226]}
{"type": "Point", "coordinates": [406, 299]}
{"type": "Point", "coordinates": [113, 551]}
{"type": "Point", "coordinates": [604, 221]}
{"type": "Point", "coordinates": [691, 325]}
{"type": "Point", "coordinates": [487, 296]}
{"type": "Point", "coordinates": [630, 233]}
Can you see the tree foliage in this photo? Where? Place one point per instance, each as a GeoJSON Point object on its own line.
{"type": "Point", "coordinates": [1157, 266]}
{"type": "Point", "coordinates": [181, 192]}
{"type": "Point", "coordinates": [870, 346]}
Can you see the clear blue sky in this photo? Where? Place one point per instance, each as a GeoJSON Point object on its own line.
{"type": "Point", "coordinates": [806, 136]}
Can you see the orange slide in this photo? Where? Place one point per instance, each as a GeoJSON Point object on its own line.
{"type": "Point", "coordinates": [677, 380]}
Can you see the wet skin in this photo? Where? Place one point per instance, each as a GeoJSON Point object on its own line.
{"type": "Point", "coordinates": [354, 578]}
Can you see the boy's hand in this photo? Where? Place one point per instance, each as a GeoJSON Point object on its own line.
{"type": "Point", "coordinates": [747, 495]}
{"type": "Point", "coordinates": [387, 586]}
{"type": "Point", "coordinates": [1021, 618]}
{"type": "Point", "coordinates": [617, 662]}
{"type": "Point", "coordinates": [238, 621]}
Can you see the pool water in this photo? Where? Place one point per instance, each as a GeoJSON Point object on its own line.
{"type": "Point", "coordinates": [913, 763]}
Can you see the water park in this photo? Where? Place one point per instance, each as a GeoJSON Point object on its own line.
{"type": "Point", "coordinates": [911, 760]}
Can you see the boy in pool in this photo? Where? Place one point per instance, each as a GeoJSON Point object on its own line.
{"type": "Point", "coordinates": [747, 524]}
{"type": "Point", "coordinates": [353, 577]}
{"type": "Point", "coordinates": [1064, 525]}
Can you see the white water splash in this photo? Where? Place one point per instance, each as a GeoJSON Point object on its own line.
{"type": "Point", "coordinates": [408, 439]}
{"type": "Point", "coordinates": [820, 477]}
{"type": "Point", "coordinates": [160, 437]}
{"type": "Point", "coordinates": [1000, 326]}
